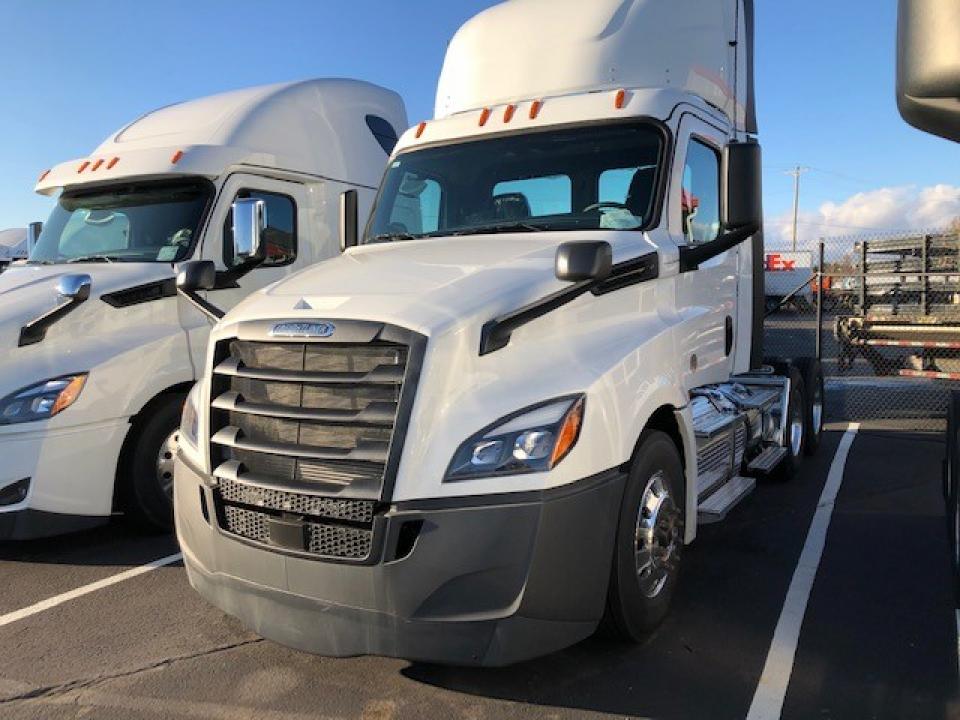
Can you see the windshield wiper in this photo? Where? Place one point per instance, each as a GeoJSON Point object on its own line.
{"type": "Point", "coordinates": [92, 258]}
{"type": "Point", "coordinates": [502, 228]}
{"type": "Point", "coordinates": [392, 237]}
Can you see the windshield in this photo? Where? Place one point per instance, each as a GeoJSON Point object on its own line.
{"type": "Point", "coordinates": [154, 222]}
{"type": "Point", "coordinates": [598, 177]}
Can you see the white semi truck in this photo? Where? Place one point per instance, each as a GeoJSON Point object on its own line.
{"type": "Point", "coordinates": [98, 352]}
{"type": "Point", "coordinates": [498, 418]}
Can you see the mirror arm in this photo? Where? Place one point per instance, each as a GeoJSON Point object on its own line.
{"type": "Point", "coordinates": [209, 309]}
{"type": "Point", "coordinates": [36, 330]}
{"type": "Point", "coordinates": [496, 333]}
{"type": "Point", "coordinates": [691, 257]}
{"type": "Point", "coordinates": [227, 279]}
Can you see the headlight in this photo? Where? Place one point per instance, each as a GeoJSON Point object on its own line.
{"type": "Point", "coordinates": [41, 401]}
{"type": "Point", "coordinates": [533, 440]}
{"type": "Point", "coordinates": [190, 421]}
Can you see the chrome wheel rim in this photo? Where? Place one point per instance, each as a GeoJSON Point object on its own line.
{"type": "Point", "coordinates": [657, 536]}
{"type": "Point", "coordinates": [817, 410]}
{"type": "Point", "coordinates": [796, 431]}
{"type": "Point", "coordinates": [165, 459]}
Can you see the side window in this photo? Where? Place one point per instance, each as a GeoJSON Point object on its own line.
{"type": "Point", "coordinates": [700, 196]}
{"type": "Point", "coordinates": [281, 232]}
{"type": "Point", "coordinates": [533, 197]}
{"type": "Point", "coordinates": [417, 208]}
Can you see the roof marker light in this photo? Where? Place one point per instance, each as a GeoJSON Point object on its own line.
{"type": "Point", "coordinates": [176, 157]}
{"type": "Point", "coordinates": [83, 166]}
{"type": "Point", "coordinates": [43, 175]}
{"type": "Point", "coordinates": [113, 162]}
{"type": "Point", "coordinates": [535, 109]}
{"type": "Point", "coordinates": [508, 113]}
{"type": "Point", "coordinates": [97, 164]}
{"type": "Point", "coordinates": [420, 128]}
{"type": "Point", "coordinates": [484, 116]}
{"type": "Point", "coordinates": [621, 99]}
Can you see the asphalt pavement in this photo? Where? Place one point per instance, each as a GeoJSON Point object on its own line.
{"type": "Point", "coordinates": [878, 637]}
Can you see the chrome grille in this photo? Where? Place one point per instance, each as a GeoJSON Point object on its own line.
{"type": "Point", "coordinates": [320, 414]}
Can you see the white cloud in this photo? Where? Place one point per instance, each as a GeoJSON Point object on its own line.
{"type": "Point", "coordinates": [886, 209]}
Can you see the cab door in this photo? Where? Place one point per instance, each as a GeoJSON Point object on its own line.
{"type": "Point", "coordinates": [289, 246]}
{"type": "Point", "coordinates": [706, 297]}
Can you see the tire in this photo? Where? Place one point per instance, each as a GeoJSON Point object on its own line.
{"type": "Point", "coordinates": [814, 394]}
{"type": "Point", "coordinates": [951, 486]}
{"type": "Point", "coordinates": [638, 602]}
{"type": "Point", "coordinates": [146, 477]}
{"type": "Point", "coordinates": [796, 419]}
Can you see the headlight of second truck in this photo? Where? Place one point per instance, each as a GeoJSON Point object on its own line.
{"type": "Point", "coordinates": [41, 401]}
{"type": "Point", "coordinates": [532, 440]}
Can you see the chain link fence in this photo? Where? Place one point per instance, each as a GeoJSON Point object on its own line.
{"type": "Point", "coordinates": [882, 312]}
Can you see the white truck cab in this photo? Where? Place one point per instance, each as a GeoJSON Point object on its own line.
{"type": "Point", "coordinates": [500, 416]}
{"type": "Point", "coordinates": [98, 349]}
{"type": "Point", "coordinates": [13, 246]}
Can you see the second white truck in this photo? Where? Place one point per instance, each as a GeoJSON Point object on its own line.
{"type": "Point", "coordinates": [97, 352]}
{"type": "Point", "coordinates": [500, 418]}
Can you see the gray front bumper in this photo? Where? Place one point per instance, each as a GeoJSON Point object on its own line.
{"type": "Point", "coordinates": [488, 582]}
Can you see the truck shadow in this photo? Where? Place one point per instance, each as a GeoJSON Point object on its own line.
{"type": "Point", "coordinates": [115, 543]}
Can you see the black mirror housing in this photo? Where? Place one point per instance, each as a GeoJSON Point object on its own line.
{"type": "Point", "coordinates": [742, 190]}
{"type": "Point", "coordinates": [197, 275]}
{"type": "Point", "coordinates": [349, 220]}
{"type": "Point", "coordinates": [582, 260]}
{"type": "Point", "coordinates": [928, 66]}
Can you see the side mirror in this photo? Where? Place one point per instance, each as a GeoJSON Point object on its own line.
{"type": "Point", "coordinates": [349, 220]}
{"type": "Point", "coordinates": [742, 187]}
{"type": "Point", "coordinates": [583, 260]}
{"type": "Point", "coordinates": [249, 224]}
{"type": "Point", "coordinates": [928, 66]}
{"type": "Point", "coordinates": [75, 287]}
{"type": "Point", "coordinates": [197, 275]}
{"type": "Point", "coordinates": [33, 235]}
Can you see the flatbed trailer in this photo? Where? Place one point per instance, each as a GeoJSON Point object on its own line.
{"type": "Point", "coordinates": [907, 296]}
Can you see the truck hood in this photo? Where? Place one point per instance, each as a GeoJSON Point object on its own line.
{"type": "Point", "coordinates": [28, 291]}
{"type": "Point", "coordinates": [431, 284]}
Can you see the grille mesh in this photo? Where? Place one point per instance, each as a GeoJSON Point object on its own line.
{"type": "Point", "coordinates": [360, 511]}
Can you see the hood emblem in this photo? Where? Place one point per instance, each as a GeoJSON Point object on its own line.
{"type": "Point", "coordinates": [303, 305]}
{"type": "Point", "coordinates": [303, 329]}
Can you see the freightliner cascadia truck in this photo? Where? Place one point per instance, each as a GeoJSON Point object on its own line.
{"type": "Point", "coordinates": [494, 422]}
{"type": "Point", "coordinates": [97, 352]}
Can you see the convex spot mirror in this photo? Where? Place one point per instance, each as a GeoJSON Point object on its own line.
{"type": "Point", "coordinates": [583, 260]}
{"type": "Point", "coordinates": [249, 226]}
{"type": "Point", "coordinates": [742, 190]}
{"type": "Point", "coordinates": [75, 287]}
{"type": "Point", "coordinates": [197, 275]}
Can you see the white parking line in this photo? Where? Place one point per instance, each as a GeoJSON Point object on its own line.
{"type": "Point", "coordinates": [772, 689]}
{"type": "Point", "coordinates": [39, 607]}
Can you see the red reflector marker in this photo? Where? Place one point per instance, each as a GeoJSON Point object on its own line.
{"type": "Point", "coordinates": [43, 176]}
{"type": "Point", "coordinates": [97, 165]}
{"type": "Point", "coordinates": [83, 166]}
{"type": "Point", "coordinates": [113, 162]}
{"type": "Point", "coordinates": [484, 116]}
{"type": "Point", "coordinates": [176, 157]}
{"type": "Point", "coordinates": [621, 99]}
{"type": "Point", "coordinates": [420, 128]}
{"type": "Point", "coordinates": [508, 113]}
{"type": "Point", "coordinates": [535, 109]}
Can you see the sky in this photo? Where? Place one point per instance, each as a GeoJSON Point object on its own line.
{"type": "Point", "coordinates": [77, 71]}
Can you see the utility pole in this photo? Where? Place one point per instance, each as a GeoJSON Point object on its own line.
{"type": "Point", "coordinates": [796, 173]}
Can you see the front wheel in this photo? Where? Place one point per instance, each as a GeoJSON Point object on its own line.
{"type": "Point", "coordinates": [795, 432]}
{"type": "Point", "coordinates": [649, 542]}
{"type": "Point", "coordinates": [146, 474]}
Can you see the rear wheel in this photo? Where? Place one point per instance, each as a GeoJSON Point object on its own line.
{"type": "Point", "coordinates": [649, 542]}
{"type": "Point", "coordinates": [812, 373]}
{"type": "Point", "coordinates": [795, 420]}
{"type": "Point", "coordinates": [146, 477]}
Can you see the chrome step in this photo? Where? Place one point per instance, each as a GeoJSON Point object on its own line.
{"type": "Point", "coordinates": [766, 461]}
{"type": "Point", "coordinates": [715, 508]}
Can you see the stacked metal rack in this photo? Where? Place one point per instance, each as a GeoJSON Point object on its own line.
{"type": "Point", "coordinates": [906, 296]}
